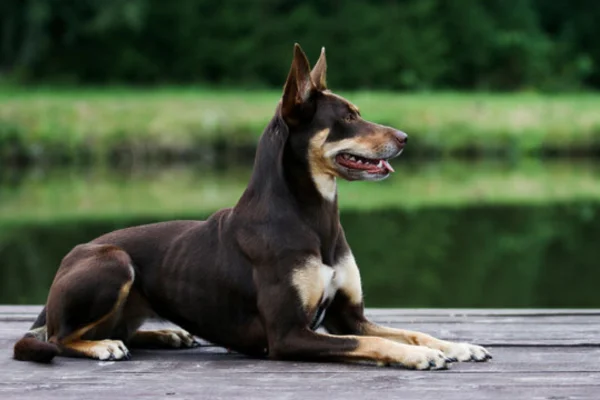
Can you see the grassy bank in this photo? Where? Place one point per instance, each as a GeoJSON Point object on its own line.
{"type": "Point", "coordinates": [167, 192]}
{"type": "Point", "coordinates": [66, 125]}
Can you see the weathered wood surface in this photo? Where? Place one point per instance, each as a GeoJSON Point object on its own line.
{"type": "Point", "coordinates": [538, 354]}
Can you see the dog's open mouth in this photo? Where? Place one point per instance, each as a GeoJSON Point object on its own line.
{"type": "Point", "coordinates": [371, 165]}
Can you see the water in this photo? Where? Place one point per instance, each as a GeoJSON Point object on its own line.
{"type": "Point", "coordinates": [445, 234]}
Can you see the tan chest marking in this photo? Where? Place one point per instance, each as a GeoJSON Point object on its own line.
{"type": "Point", "coordinates": [316, 282]}
{"type": "Point", "coordinates": [348, 278]}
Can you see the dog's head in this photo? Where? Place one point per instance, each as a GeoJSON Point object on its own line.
{"type": "Point", "coordinates": [329, 132]}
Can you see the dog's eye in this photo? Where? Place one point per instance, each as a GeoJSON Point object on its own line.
{"type": "Point", "coordinates": [350, 117]}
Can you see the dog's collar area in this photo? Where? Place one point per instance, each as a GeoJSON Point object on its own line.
{"type": "Point", "coordinates": [373, 165]}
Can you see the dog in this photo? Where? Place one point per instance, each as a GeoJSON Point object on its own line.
{"type": "Point", "coordinates": [260, 278]}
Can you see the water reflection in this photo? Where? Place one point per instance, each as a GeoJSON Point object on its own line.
{"type": "Point", "coordinates": [446, 234]}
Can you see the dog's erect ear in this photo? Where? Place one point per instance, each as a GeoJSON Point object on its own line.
{"type": "Point", "coordinates": [319, 72]}
{"type": "Point", "coordinates": [298, 86]}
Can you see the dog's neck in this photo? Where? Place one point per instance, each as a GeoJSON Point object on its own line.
{"type": "Point", "coordinates": [283, 185]}
{"type": "Point", "coordinates": [310, 188]}
{"type": "Point", "coordinates": [310, 184]}
{"type": "Point", "coordinates": [279, 173]}
{"type": "Point", "coordinates": [326, 185]}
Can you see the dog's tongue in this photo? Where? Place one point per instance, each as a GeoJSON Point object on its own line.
{"type": "Point", "coordinates": [387, 165]}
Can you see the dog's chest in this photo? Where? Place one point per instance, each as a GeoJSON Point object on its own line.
{"type": "Point", "coordinates": [317, 284]}
{"type": "Point", "coordinates": [332, 279]}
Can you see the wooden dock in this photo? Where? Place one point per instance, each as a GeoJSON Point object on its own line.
{"type": "Point", "coordinates": [538, 354]}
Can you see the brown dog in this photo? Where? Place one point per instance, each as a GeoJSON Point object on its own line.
{"type": "Point", "coordinates": [258, 278]}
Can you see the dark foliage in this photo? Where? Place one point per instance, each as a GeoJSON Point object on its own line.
{"type": "Point", "coordinates": [403, 44]}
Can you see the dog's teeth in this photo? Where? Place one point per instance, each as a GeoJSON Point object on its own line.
{"type": "Point", "coordinates": [359, 162]}
{"type": "Point", "coordinates": [380, 164]}
{"type": "Point", "coordinates": [352, 158]}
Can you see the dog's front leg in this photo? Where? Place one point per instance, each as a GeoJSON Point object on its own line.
{"type": "Point", "coordinates": [346, 316]}
{"type": "Point", "coordinates": [452, 350]}
{"type": "Point", "coordinates": [343, 317]}
{"type": "Point", "coordinates": [304, 344]}
{"type": "Point", "coordinates": [288, 302]}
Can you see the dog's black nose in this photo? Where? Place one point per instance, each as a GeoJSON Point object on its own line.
{"type": "Point", "coordinates": [401, 137]}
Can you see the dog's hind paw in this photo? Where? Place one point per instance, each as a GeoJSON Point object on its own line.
{"type": "Point", "coordinates": [177, 338]}
{"type": "Point", "coordinates": [466, 352]}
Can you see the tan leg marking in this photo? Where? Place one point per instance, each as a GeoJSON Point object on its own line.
{"type": "Point", "coordinates": [388, 352]}
{"type": "Point", "coordinates": [123, 293]}
{"type": "Point", "coordinates": [453, 351]}
{"type": "Point", "coordinates": [98, 349]}
{"type": "Point", "coordinates": [164, 338]}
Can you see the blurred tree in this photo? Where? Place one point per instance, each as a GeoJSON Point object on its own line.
{"type": "Point", "coordinates": [389, 44]}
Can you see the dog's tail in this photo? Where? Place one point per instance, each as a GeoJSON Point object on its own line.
{"type": "Point", "coordinates": [31, 348]}
{"type": "Point", "coordinates": [34, 345]}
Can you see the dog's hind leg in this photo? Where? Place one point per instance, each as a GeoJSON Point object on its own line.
{"type": "Point", "coordinates": [134, 312]}
{"type": "Point", "coordinates": [86, 301]}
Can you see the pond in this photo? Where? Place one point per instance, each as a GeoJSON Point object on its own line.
{"type": "Point", "coordinates": [438, 234]}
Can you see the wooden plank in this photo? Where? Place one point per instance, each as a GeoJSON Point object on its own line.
{"type": "Point", "coordinates": [213, 358]}
{"type": "Point", "coordinates": [582, 330]}
{"type": "Point", "coordinates": [385, 384]}
{"type": "Point", "coordinates": [546, 354]}
{"type": "Point", "coordinates": [483, 311]}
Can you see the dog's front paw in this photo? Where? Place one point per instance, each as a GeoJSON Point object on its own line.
{"type": "Point", "coordinates": [465, 352]}
{"type": "Point", "coordinates": [421, 358]}
{"type": "Point", "coordinates": [431, 359]}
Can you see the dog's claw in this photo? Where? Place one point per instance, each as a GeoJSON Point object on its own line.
{"type": "Point", "coordinates": [485, 358]}
{"type": "Point", "coordinates": [434, 367]}
{"type": "Point", "coordinates": [451, 359]}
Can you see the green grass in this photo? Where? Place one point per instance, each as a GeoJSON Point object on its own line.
{"type": "Point", "coordinates": [165, 193]}
{"type": "Point", "coordinates": [179, 118]}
